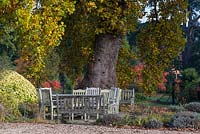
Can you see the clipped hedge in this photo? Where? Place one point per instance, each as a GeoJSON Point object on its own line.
{"type": "Point", "coordinates": [15, 90]}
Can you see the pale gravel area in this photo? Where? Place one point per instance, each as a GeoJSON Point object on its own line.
{"type": "Point", "coordinates": [31, 128]}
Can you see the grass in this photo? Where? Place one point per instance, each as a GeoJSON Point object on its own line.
{"type": "Point", "coordinates": [160, 100]}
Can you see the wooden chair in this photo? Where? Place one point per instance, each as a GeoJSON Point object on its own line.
{"type": "Point", "coordinates": [47, 105]}
{"type": "Point", "coordinates": [105, 93]}
{"type": "Point", "coordinates": [78, 92]}
{"type": "Point", "coordinates": [114, 98]}
{"type": "Point", "coordinates": [127, 97]}
{"type": "Point", "coordinates": [92, 91]}
{"type": "Point", "coordinates": [88, 91]}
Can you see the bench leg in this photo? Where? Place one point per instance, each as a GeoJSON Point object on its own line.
{"type": "Point", "coordinates": [72, 116]}
{"type": "Point", "coordinates": [52, 113]}
{"type": "Point", "coordinates": [85, 116]}
{"type": "Point", "coordinates": [58, 118]}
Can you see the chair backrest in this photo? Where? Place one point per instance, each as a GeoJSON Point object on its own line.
{"type": "Point", "coordinates": [105, 93]}
{"type": "Point", "coordinates": [45, 95]}
{"type": "Point", "coordinates": [92, 91]}
{"type": "Point", "coordinates": [127, 96]}
{"type": "Point", "coordinates": [78, 92]}
{"type": "Point", "coordinates": [114, 95]}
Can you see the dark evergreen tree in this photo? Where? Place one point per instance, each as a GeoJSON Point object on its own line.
{"type": "Point", "coordinates": [191, 29]}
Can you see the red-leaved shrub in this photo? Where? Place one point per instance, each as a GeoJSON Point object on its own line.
{"type": "Point", "coordinates": [54, 84]}
{"type": "Point", "coordinates": [138, 70]}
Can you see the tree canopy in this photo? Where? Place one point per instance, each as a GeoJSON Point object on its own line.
{"type": "Point", "coordinates": [40, 29]}
{"type": "Point", "coordinates": [161, 39]}
{"type": "Point", "coordinates": [80, 30]}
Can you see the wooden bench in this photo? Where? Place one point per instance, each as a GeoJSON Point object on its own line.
{"type": "Point", "coordinates": [84, 105]}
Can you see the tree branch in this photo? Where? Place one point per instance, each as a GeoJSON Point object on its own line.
{"type": "Point", "coordinates": [196, 19]}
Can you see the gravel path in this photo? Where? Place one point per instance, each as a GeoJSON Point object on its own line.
{"type": "Point", "coordinates": [30, 128]}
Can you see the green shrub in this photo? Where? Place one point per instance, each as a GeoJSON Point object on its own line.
{"type": "Point", "coordinates": [126, 120]}
{"type": "Point", "coordinates": [166, 119]}
{"type": "Point", "coordinates": [5, 62]}
{"type": "Point", "coordinates": [112, 119]}
{"type": "Point", "coordinates": [15, 90]}
{"type": "Point", "coordinates": [193, 106]}
{"type": "Point", "coordinates": [29, 110]}
{"type": "Point", "coordinates": [2, 113]}
{"type": "Point", "coordinates": [140, 120]}
{"type": "Point", "coordinates": [153, 123]}
{"type": "Point", "coordinates": [122, 119]}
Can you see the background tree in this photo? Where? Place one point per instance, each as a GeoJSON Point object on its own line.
{"type": "Point", "coordinates": [125, 74]}
{"type": "Point", "coordinates": [8, 36]}
{"type": "Point", "coordinates": [77, 44]}
{"type": "Point", "coordinates": [191, 29]}
{"type": "Point", "coordinates": [40, 29]}
{"type": "Point", "coordinates": [161, 39]}
{"type": "Point", "coordinates": [194, 60]}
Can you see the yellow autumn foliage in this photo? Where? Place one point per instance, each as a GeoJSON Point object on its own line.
{"type": "Point", "coordinates": [161, 40]}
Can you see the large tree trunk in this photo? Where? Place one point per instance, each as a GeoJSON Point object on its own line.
{"type": "Point", "coordinates": [102, 69]}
